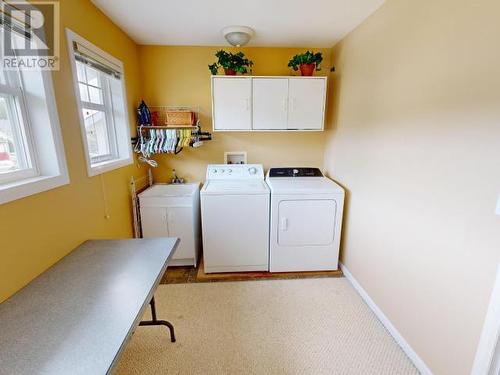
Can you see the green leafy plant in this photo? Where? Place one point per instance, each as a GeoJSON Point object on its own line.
{"type": "Point", "coordinates": [306, 58]}
{"type": "Point", "coordinates": [231, 62]}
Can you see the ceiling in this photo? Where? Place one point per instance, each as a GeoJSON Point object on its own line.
{"type": "Point", "coordinates": [283, 23]}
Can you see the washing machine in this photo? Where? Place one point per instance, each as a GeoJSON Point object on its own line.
{"type": "Point", "coordinates": [306, 220]}
{"type": "Point", "coordinates": [235, 203]}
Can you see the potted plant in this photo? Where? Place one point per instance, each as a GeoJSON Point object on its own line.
{"type": "Point", "coordinates": [231, 63]}
{"type": "Point", "coordinates": [307, 62]}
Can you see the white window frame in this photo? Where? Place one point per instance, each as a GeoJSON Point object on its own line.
{"type": "Point", "coordinates": [42, 136]}
{"type": "Point", "coordinates": [124, 154]}
{"type": "Point", "coordinates": [107, 109]}
{"type": "Point", "coordinates": [18, 116]}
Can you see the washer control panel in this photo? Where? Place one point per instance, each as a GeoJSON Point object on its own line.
{"type": "Point", "coordinates": [235, 171]}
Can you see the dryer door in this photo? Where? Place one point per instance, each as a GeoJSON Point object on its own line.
{"type": "Point", "coordinates": [306, 222]}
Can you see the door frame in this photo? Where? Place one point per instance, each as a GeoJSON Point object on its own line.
{"type": "Point", "coordinates": [487, 361]}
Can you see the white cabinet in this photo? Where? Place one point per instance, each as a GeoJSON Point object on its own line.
{"type": "Point", "coordinates": [306, 103]}
{"type": "Point", "coordinates": [259, 103]}
{"type": "Point", "coordinates": [173, 211]}
{"type": "Point", "coordinates": [154, 222]}
{"type": "Point", "coordinates": [180, 223]}
{"type": "Point", "coordinates": [270, 103]}
{"type": "Point", "coordinates": [231, 103]}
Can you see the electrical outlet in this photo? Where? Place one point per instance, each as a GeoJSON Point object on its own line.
{"type": "Point", "coordinates": [497, 210]}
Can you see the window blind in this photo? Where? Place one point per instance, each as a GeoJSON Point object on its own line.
{"type": "Point", "coordinates": [96, 61]}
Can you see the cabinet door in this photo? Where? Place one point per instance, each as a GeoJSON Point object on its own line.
{"type": "Point", "coordinates": [231, 101]}
{"type": "Point", "coordinates": [270, 101]}
{"type": "Point", "coordinates": [180, 224]}
{"type": "Point", "coordinates": [154, 222]}
{"type": "Point", "coordinates": [306, 103]}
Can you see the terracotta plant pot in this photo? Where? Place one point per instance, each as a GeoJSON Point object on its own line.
{"type": "Point", "coordinates": [230, 72]}
{"type": "Point", "coordinates": [307, 69]}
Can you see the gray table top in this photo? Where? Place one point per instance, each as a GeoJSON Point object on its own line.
{"type": "Point", "coordinates": [76, 317]}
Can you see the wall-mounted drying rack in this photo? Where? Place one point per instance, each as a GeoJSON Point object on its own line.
{"type": "Point", "coordinates": [169, 133]}
{"type": "Point", "coordinates": [152, 140]}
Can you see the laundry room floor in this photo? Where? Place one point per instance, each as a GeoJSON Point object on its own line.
{"type": "Point", "coordinates": [180, 275]}
{"type": "Point", "coordinates": [300, 326]}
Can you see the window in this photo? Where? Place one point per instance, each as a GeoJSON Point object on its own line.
{"type": "Point", "coordinates": [95, 95]}
{"type": "Point", "coordinates": [16, 154]}
{"type": "Point", "coordinates": [100, 92]}
{"type": "Point", "coordinates": [31, 152]}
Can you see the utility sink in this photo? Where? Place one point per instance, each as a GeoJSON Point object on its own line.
{"type": "Point", "coordinates": [171, 190]}
{"type": "Point", "coordinates": [170, 210]}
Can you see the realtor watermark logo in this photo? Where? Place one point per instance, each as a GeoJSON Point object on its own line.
{"type": "Point", "coordinates": [30, 38]}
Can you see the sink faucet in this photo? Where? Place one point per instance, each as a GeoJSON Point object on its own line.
{"type": "Point", "coordinates": [177, 180]}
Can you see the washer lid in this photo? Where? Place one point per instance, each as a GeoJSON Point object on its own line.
{"type": "Point", "coordinates": [235, 187]}
{"type": "Point", "coordinates": [303, 185]}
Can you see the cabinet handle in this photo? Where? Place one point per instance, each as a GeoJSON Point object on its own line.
{"type": "Point", "coordinates": [285, 105]}
{"type": "Point", "coordinates": [292, 104]}
{"type": "Point", "coordinates": [284, 224]}
{"type": "Point", "coordinates": [167, 221]}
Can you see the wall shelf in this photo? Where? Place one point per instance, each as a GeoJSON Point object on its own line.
{"type": "Point", "coordinates": [164, 138]}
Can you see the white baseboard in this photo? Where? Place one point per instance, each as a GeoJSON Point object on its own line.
{"type": "Point", "coordinates": [417, 361]}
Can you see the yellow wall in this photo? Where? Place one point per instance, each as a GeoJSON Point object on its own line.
{"type": "Point", "coordinates": [180, 76]}
{"type": "Point", "coordinates": [38, 230]}
{"type": "Point", "coordinates": [415, 139]}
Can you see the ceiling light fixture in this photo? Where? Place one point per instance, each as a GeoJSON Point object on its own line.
{"type": "Point", "coordinates": [237, 36]}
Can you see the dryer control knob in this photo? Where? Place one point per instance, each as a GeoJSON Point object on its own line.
{"type": "Point", "coordinates": [252, 170]}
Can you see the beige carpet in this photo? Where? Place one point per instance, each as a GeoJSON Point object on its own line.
{"type": "Point", "coordinates": [304, 326]}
